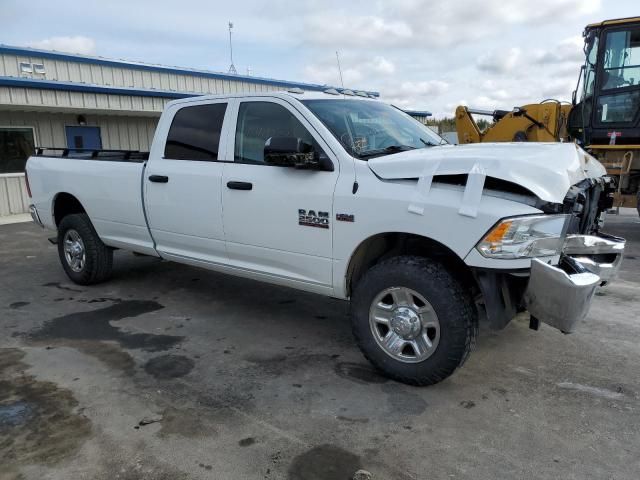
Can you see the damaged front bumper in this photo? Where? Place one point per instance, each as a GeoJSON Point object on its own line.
{"type": "Point", "coordinates": [560, 295]}
{"type": "Point", "coordinates": [601, 254]}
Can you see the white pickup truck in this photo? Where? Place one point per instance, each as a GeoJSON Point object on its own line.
{"type": "Point", "coordinates": [351, 198]}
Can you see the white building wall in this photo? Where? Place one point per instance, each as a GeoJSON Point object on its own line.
{"type": "Point", "coordinates": [69, 71]}
{"type": "Point", "coordinates": [118, 132]}
{"type": "Point", "coordinates": [32, 98]}
{"type": "Point", "coordinates": [126, 121]}
{"type": "Point", "coordinates": [13, 194]}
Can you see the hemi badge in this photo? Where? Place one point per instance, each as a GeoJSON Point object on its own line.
{"type": "Point", "coordinates": [345, 217]}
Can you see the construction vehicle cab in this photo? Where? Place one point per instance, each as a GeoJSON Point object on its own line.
{"type": "Point", "coordinates": [603, 117]}
{"type": "Point", "coordinates": [609, 85]}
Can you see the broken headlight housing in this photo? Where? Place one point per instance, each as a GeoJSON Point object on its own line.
{"type": "Point", "coordinates": [525, 237]}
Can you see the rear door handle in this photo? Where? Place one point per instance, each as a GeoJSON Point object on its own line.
{"type": "Point", "coordinates": [158, 178]}
{"type": "Point", "coordinates": [240, 185]}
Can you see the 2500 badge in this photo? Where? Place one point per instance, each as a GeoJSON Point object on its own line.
{"type": "Point", "coordinates": [311, 218]}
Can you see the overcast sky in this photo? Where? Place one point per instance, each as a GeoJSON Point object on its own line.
{"type": "Point", "coordinates": [427, 55]}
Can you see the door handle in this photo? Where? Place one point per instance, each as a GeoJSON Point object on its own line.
{"type": "Point", "coordinates": [158, 178]}
{"type": "Point", "coordinates": [240, 185]}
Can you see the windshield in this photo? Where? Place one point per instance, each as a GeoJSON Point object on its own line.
{"type": "Point", "coordinates": [621, 59]}
{"type": "Point", "coordinates": [369, 129]}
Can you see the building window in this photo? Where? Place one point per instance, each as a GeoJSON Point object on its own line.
{"type": "Point", "coordinates": [26, 67]}
{"type": "Point", "coordinates": [195, 133]}
{"type": "Point", "coordinates": [16, 145]}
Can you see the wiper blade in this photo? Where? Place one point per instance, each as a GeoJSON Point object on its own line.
{"type": "Point", "coordinates": [428, 143]}
{"type": "Point", "coordinates": [389, 149]}
{"type": "Point", "coordinates": [398, 148]}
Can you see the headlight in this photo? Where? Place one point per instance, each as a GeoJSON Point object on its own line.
{"type": "Point", "coordinates": [525, 237]}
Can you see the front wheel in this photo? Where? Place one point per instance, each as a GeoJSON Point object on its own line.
{"type": "Point", "coordinates": [85, 259]}
{"type": "Point", "coordinates": [413, 320]}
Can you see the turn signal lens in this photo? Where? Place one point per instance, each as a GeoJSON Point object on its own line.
{"type": "Point", "coordinates": [498, 232]}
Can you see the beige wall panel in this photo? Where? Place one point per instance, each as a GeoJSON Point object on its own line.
{"type": "Point", "coordinates": [76, 99]}
{"type": "Point", "coordinates": [18, 96]}
{"type": "Point", "coordinates": [147, 79]}
{"type": "Point", "coordinates": [62, 98]}
{"type": "Point", "coordinates": [75, 74]}
{"type": "Point", "coordinates": [90, 100]}
{"type": "Point", "coordinates": [5, 96]}
{"type": "Point", "coordinates": [11, 65]}
{"type": "Point", "coordinates": [34, 97]}
{"type": "Point", "coordinates": [108, 77]}
{"type": "Point", "coordinates": [102, 101]}
{"type": "Point", "coordinates": [4, 198]}
{"type": "Point", "coordinates": [96, 75]}
{"type": "Point", "coordinates": [85, 73]}
{"type": "Point", "coordinates": [15, 194]}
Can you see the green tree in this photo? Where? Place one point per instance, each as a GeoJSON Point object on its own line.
{"type": "Point", "coordinates": [448, 124]}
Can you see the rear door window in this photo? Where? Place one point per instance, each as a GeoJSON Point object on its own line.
{"type": "Point", "coordinates": [195, 133]}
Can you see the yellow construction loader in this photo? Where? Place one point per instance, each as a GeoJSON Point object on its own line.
{"type": "Point", "coordinates": [603, 116]}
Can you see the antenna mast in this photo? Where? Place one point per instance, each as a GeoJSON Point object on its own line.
{"type": "Point", "coordinates": [339, 69]}
{"type": "Point", "coordinates": [232, 67]}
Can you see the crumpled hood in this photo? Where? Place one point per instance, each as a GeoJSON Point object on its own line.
{"type": "Point", "coordinates": [546, 169]}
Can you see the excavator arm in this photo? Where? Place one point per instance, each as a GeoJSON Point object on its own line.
{"type": "Point", "coordinates": [537, 122]}
{"type": "Point", "coordinates": [466, 126]}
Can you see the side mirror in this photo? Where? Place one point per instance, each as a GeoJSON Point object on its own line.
{"type": "Point", "coordinates": [291, 152]}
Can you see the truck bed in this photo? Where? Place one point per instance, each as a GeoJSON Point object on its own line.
{"type": "Point", "coordinates": [109, 184]}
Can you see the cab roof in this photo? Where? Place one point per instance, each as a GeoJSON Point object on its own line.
{"type": "Point", "coordinates": [298, 95]}
{"type": "Point", "coordinates": [614, 21]}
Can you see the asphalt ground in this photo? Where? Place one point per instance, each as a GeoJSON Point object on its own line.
{"type": "Point", "coordinates": [172, 372]}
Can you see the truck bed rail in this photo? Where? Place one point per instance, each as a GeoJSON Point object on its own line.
{"type": "Point", "coordinates": [135, 156]}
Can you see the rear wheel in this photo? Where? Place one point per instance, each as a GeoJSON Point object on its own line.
{"type": "Point", "coordinates": [413, 320]}
{"type": "Point", "coordinates": [85, 259]}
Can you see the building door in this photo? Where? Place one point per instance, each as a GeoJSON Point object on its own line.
{"type": "Point", "coordinates": [87, 138]}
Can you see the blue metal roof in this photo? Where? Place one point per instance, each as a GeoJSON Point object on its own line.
{"type": "Point", "coordinates": [91, 88]}
{"type": "Point", "coordinates": [70, 57]}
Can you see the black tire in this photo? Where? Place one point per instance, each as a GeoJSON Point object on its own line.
{"type": "Point", "coordinates": [98, 258]}
{"type": "Point", "coordinates": [520, 136]}
{"type": "Point", "coordinates": [452, 303]}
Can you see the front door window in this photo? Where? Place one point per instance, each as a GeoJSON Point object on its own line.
{"type": "Point", "coordinates": [259, 121]}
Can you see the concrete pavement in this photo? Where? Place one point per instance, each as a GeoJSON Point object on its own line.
{"type": "Point", "coordinates": [171, 372]}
